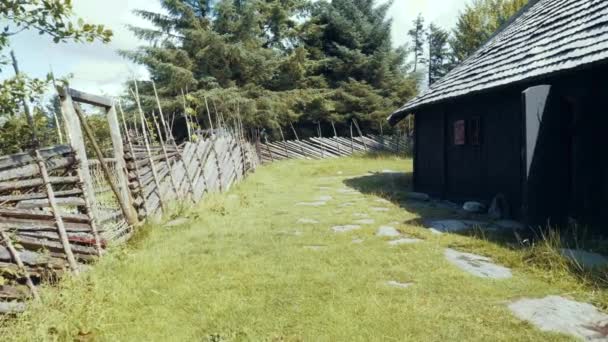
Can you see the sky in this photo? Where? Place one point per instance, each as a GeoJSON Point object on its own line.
{"type": "Point", "coordinates": [97, 68]}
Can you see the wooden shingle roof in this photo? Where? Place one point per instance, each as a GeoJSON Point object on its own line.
{"type": "Point", "coordinates": [546, 37]}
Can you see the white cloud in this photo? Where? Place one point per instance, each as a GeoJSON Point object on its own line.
{"type": "Point", "coordinates": [96, 67]}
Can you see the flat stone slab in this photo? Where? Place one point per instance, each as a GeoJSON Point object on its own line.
{"type": "Point", "coordinates": [307, 221]}
{"type": "Point", "coordinates": [347, 204]}
{"type": "Point", "coordinates": [382, 200]}
{"type": "Point", "coordinates": [345, 228]}
{"type": "Point", "coordinates": [324, 198]}
{"type": "Point", "coordinates": [387, 231]}
{"type": "Point", "coordinates": [358, 241]}
{"type": "Point", "coordinates": [404, 241]}
{"type": "Point", "coordinates": [365, 221]}
{"type": "Point", "coordinates": [447, 226]}
{"type": "Point", "coordinates": [380, 209]}
{"type": "Point", "coordinates": [561, 315]}
{"type": "Point", "coordinates": [394, 283]}
{"type": "Point", "coordinates": [435, 231]}
{"type": "Point", "coordinates": [585, 259]}
{"type": "Point", "coordinates": [477, 265]}
{"type": "Point", "coordinates": [176, 222]}
{"type": "Point", "coordinates": [360, 215]}
{"type": "Point", "coordinates": [311, 204]}
{"type": "Point", "coordinates": [323, 188]}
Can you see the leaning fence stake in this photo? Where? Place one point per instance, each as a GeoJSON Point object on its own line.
{"type": "Point", "coordinates": [174, 184]}
{"type": "Point", "coordinates": [15, 255]}
{"type": "Point", "coordinates": [145, 136]}
{"type": "Point", "coordinates": [132, 220]}
{"type": "Point", "coordinates": [63, 236]}
{"type": "Point", "coordinates": [137, 173]}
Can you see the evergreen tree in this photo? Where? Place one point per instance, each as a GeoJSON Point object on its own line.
{"type": "Point", "coordinates": [276, 61]}
{"type": "Point", "coordinates": [438, 53]}
{"type": "Point", "coordinates": [478, 22]}
{"type": "Point", "coordinates": [418, 37]}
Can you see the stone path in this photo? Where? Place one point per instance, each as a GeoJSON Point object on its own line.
{"type": "Point", "coordinates": [387, 231]}
{"type": "Point", "coordinates": [477, 265]}
{"type": "Point", "coordinates": [394, 283]}
{"type": "Point", "coordinates": [404, 241]}
{"type": "Point", "coordinates": [558, 314]}
{"type": "Point", "coordinates": [553, 313]}
{"type": "Point", "coordinates": [345, 228]}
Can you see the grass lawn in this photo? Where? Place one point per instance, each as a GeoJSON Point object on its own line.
{"type": "Point", "coordinates": [243, 268]}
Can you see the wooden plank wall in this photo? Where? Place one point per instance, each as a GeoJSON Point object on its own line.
{"type": "Point", "coordinates": [335, 147]}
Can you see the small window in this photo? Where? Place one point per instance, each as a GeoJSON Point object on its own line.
{"type": "Point", "coordinates": [459, 133]}
{"type": "Point", "coordinates": [474, 132]}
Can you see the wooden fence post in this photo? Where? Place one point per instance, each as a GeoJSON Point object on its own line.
{"type": "Point", "coordinates": [121, 166]}
{"type": "Point", "coordinates": [352, 141]}
{"type": "Point", "coordinates": [336, 136]}
{"type": "Point", "coordinates": [76, 138]}
{"type": "Point", "coordinates": [125, 207]}
{"type": "Point", "coordinates": [217, 163]}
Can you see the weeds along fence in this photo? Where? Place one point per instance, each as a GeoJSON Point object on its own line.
{"type": "Point", "coordinates": [60, 210]}
{"type": "Point", "coordinates": [334, 147]}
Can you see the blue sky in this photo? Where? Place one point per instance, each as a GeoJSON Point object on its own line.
{"type": "Point", "coordinates": [97, 68]}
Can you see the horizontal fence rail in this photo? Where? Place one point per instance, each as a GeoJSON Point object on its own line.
{"type": "Point", "coordinates": [335, 147]}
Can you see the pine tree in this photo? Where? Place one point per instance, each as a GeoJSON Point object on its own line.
{"type": "Point", "coordinates": [418, 37]}
{"type": "Point", "coordinates": [277, 61]}
{"type": "Point", "coordinates": [438, 53]}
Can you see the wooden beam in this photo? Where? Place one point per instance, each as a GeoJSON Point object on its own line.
{"type": "Point", "coordinates": [90, 99]}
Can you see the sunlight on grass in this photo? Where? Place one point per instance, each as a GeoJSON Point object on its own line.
{"type": "Point", "coordinates": [242, 268]}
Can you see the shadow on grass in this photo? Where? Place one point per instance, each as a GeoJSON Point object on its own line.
{"type": "Point", "coordinates": [539, 248]}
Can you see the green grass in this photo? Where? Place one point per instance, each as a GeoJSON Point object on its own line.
{"type": "Point", "coordinates": [237, 272]}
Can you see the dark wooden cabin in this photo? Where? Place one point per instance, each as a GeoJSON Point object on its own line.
{"type": "Point", "coordinates": [526, 116]}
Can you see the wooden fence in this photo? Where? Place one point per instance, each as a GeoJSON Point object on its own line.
{"type": "Point", "coordinates": [335, 147]}
{"type": "Point", "coordinates": [59, 210]}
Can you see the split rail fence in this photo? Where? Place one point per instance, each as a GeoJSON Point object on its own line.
{"type": "Point", "coordinates": [59, 211]}
{"type": "Point", "coordinates": [335, 147]}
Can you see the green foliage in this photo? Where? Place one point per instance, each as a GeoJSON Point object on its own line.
{"type": "Point", "coordinates": [15, 132]}
{"type": "Point", "coordinates": [274, 62]}
{"type": "Point", "coordinates": [53, 18]}
{"type": "Point", "coordinates": [478, 22]}
{"type": "Point", "coordinates": [438, 53]}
